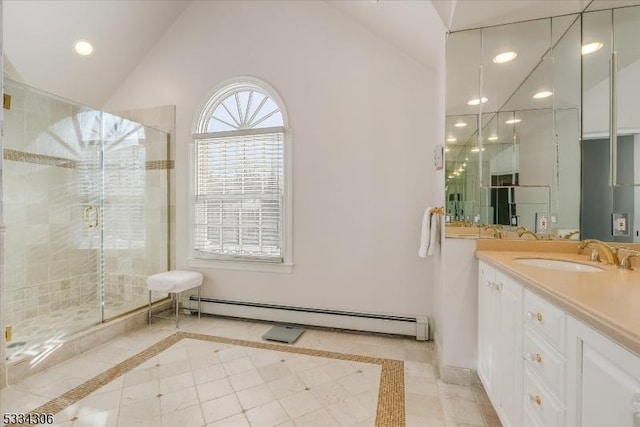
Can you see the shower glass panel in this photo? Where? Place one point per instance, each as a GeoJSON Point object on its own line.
{"type": "Point", "coordinates": [135, 212]}
{"type": "Point", "coordinates": [85, 206]}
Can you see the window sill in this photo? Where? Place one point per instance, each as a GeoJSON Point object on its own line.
{"type": "Point", "coordinates": [263, 267]}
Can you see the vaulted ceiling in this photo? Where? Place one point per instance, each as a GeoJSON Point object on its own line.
{"type": "Point", "coordinates": [38, 35]}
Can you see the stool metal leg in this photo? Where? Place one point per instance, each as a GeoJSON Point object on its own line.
{"type": "Point", "coordinates": [177, 302]}
{"type": "Point", "coordinates": [149, 307]}
{"type": "Point", "coordinates": [199, 301]}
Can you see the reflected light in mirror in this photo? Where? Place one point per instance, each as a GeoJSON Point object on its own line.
{"type": "Point", "coordinates": [504, 57]}
{"type": "Point", "coordinates": [477, 101]}
{"type": "Point", "coordinates": [476, 149]}
{"type": "Point", "coordinates": [446, 150]}
{"type": "Point", "coordinates": [513, 121]}
{"type": "Point", "coordinates": [460, 124]}
{"type": "Point", "coordinates": [591, 47]}
{"type": "Point", "coordinates": [493, 138]}
{"type": "Point", "coordinates": [542, 95]}
{"type": "Point", "coordinates": [451, 140]}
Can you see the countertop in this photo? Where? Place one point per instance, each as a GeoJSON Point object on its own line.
{"type": "Point", "coordinates": [608, 301]}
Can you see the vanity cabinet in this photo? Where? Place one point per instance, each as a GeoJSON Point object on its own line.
{"type": "Point", "coordinates": [543, 393]}
{"type": "Point", "coordinates": [541, 367]}
{"type": "Point", "coordinates": [500, 342]}
{"type": "Point", "coordinates": [605, 380]}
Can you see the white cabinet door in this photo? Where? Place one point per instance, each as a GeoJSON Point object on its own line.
{"type": "Point", "coordinates": [487, 324]}
{"type": "Point", "coordinates": [607, 380]}
{"type": "Point", "coordinates": [500, 342]}
{"type": "Point", "coordinates": [509, 362]}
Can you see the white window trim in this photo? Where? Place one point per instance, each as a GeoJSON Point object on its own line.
{"type": "Point", "coordinates": [286, 266]}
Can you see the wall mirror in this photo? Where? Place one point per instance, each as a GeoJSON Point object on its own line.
{"type": "Point", "coordinates": [513, 127]}
{"type": "Point", "coordinates": [610, 152]}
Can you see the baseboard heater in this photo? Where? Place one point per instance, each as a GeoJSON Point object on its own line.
{"type": "Point", "coordinates": [371, 322]}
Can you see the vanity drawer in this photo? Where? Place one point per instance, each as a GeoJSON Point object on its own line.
{"type": "Point", "coordinates": [545, 361]}
{"type": "Point", "coordinates": [544, 318]}
{"type": "Point", "coordinates": [540, 404]}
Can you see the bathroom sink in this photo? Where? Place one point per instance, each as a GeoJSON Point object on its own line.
{"type": "Point", "coordinates": [556, 264]}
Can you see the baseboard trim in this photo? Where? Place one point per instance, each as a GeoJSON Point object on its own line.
{"type": "Point", "coordinates": [370, 322]}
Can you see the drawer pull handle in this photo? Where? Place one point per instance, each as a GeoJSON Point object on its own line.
{"type": "Point", "coordinates": [536, 399]}
{"type": "Point", "coordinates": [535, 316]}
{"type": "Point", "coordinates": [533, 358]}
{"type": "Point", "coordinates": [494, 285]}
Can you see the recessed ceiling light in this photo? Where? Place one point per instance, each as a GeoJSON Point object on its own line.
{"type": "Point", "coordinates": [83, 48]}
{"type": "Point", "coordinates": [493, 138]}
{"type": "Point", "coordinates": [451, 140]}
{"type": "Point", "coordinates": [477, 101]}
{"type": "Point", "coordinates": [591, 47]}
{"type": "Point", "coordinates": [513, 121]}
{"type": "Point", "coordinates": [450, 176]}
{"type": "Point", "coordinates": [460, 124]}
{"type": "Point", "coordinates": [446, 150]}
{"type": "Point", "coordinates": [504, 57]}
{"type": "Point", "coordinates": [543, 94]}
{"type": "Point", "coordinates": [476, 149]}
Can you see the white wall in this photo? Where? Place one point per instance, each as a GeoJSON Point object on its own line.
{"type": "Point", "coordinates": [365, 118]}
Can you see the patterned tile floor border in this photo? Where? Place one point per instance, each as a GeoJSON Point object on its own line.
{"type": "Point", "coordinates": [391, 398]}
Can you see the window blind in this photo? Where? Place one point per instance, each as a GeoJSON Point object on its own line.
{"type": "Point", "coordinates": [238, 212]}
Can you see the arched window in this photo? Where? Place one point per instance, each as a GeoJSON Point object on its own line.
{"type": "Point", "coordinates": [240, 175]}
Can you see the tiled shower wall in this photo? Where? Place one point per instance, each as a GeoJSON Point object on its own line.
{"type": "Point", "coordinates": [51, 176]}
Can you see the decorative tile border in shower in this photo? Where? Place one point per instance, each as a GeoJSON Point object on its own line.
{"type": "Point", "coordinates": [391, 398]}
{"type": "Point", "coordinates": [42, 159]}
{"type": "Point", "coordinates": [160, 164]}
{"type": "Point", "coordinates": [39, 159]}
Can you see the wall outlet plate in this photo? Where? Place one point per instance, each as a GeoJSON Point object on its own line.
{"type": "Point", "coordinates": [514, 220]}
{"type": "Point", "coordinates": [543, 223]}
{"type": "Point", "coordinates": [620, 224]}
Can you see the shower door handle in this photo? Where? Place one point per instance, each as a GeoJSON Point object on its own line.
{"type": "Point", "coordinates": [91, 216]}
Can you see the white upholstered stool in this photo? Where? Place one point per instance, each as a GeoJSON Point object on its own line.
{"type": "Point", "coordinates": [174, 282]}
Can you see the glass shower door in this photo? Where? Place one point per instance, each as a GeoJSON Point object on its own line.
{"type": "Point", "coordinates": [51, 211]}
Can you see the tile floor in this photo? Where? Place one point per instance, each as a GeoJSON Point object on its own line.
{"type": "Point", "coordinates": [222, 382]}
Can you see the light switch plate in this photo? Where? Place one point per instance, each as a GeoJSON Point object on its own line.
{"type": "Point", "coordinates": [543, 223]}
{"type": "Point", "coordinates": [620, 224]}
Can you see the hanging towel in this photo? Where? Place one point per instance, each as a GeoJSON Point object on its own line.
{"type": "Point", "coordinates": [429, 234]}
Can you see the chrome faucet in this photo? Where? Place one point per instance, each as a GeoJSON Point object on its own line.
{"type": "Point", "coordinates": [528, 232]}
{"type": "Point", "coordinates": [611, 254]}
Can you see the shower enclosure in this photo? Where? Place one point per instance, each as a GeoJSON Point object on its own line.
{"type": "Point", "coordinates": [85, 204]}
